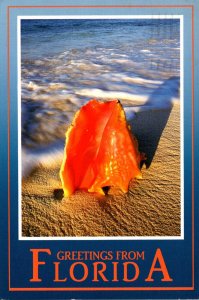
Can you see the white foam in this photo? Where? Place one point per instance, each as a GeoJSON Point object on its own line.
{"type": "Point", "coordinates": [120, 55]}
{"type": "Point", "coordinates": [121, 61]}
{"type": "Point", "coordinates": [141, 81]}
{"type": "Point", "coordinates": [145, 51]}
{"type": "Point", "coordinates": [57, 86]}
{"type": "Point", "coordinates": [32, 86]}
{"type": "Point", "coordinates": [47, 157]}
{"type": "Point", "coordinates": [162, 98]}
{"type": "Point", "coordinates": [98, 93]}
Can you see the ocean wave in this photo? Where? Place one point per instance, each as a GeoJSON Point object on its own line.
{"type": "Point", "coordinates": [98, 93]}
{"type": "Point", "coordinates": [60, 72]}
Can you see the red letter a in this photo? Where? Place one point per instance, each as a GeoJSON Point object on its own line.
{"type": "Point", "coordinates": [162, 268]}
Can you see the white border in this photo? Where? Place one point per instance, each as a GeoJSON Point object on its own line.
{"type": "Point", "coordinates": [19, 18]}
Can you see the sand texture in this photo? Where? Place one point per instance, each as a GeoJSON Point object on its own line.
{"type": "Point", "coordinates": [150, 208]}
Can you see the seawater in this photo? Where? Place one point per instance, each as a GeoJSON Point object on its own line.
{"type": "Point", "coordinates": [65, 63]}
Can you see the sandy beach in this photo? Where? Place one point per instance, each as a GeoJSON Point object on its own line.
{"type": "Point", "coordinates": [151, 207]}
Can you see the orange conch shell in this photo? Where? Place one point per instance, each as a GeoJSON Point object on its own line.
{"type": "Point", "coordinates": [100, 150]}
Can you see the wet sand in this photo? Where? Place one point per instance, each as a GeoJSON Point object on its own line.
{"type": "Point", "coordinates": [150, 208]}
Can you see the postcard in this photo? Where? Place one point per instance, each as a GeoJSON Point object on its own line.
{"type": "Point", "coordinates": [99, 195]}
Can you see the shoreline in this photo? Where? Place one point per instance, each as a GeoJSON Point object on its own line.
{"type": "Point", "coordinates": [150, 208]}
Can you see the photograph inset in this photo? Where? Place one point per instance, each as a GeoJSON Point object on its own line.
{"type": "Point", "coordinates": [133, 65]}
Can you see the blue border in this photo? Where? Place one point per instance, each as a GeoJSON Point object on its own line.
{"type": "Point", "coordinates": [19, 248]}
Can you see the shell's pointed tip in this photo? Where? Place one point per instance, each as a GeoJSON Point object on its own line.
{"type": "Point", "coordinates": [124, 190]}
{"type": "Point", "coordinates": [139, 176]}
{"type": "Point", "coordinates": [67, 193]}
{"type": "Point", "coordinates": [96, 190]}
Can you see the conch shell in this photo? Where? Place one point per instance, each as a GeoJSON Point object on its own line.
{"type": "Point", "coordinates": [100, 150]}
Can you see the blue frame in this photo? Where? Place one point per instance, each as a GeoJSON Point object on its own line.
{"type": "Point", "coordinates": [180, 255]}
